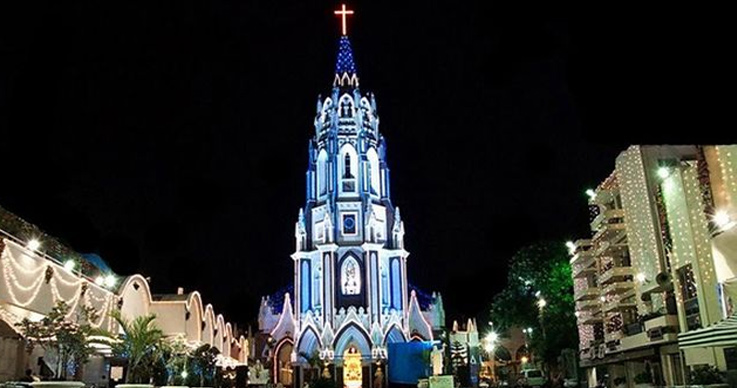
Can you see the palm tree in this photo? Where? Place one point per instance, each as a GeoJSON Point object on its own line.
{"type": "Point", "coordinates": [141, 343]}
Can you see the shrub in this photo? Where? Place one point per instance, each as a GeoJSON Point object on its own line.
{"type": "Point", "coordinates": [705, 374]}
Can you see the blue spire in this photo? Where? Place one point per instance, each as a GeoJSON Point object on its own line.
{"type": "Point", "coordinates": [344, 63]}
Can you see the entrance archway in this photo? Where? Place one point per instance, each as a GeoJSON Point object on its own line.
{"type": "Point", "coordinates": [283, 371]}
{"type": "Point", "coordinates": [352, 369]}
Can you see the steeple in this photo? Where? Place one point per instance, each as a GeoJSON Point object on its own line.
{"type": "Point", "coordinates": [345, 67]}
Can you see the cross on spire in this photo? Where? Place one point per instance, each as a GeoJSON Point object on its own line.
{"type": "Point", "coordinates": [343, 13]}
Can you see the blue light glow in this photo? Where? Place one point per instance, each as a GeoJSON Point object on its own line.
{"type": "Point", "coordinates": [344, 63]}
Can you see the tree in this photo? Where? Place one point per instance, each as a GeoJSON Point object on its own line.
{"type": "Point", "coordinates": [314, 362]}
{"type": "Point", "coordinates": [62, 338]}
{"type": "Point", "coordinates": [537, 272]}
{"type": "Point", "coordinates": [141, 343]}
{"type": "Point", "coordinates": [202, 365]}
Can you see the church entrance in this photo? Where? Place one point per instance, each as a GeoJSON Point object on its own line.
{"type": "Point", "coordinates": [283, 364]}
{"type": "Point", "coordinates": [352, 369]}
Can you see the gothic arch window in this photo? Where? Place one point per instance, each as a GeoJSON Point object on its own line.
{"type": "Point", "coordinates": [396, 276]}
{"type": "Point", "coordinates": [346, 107]}
{"type": "Point", "coordinates": [348, 168]}
{"type": "Point", "coordinates": [384, 286]}
{"type": "Point", "coordinates": [305, 286]}
{"type": "Point", "coordinates": [350, 277]}
{"type": "Point", "coordinates": [373, 171]}
{"type": "Point", "coordinates": [316, 287]}
{"type": "Point", "coordinates": [322, 173]}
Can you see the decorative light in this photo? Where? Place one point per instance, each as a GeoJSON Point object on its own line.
{"type": "Point", "coordinates": [663, 172]}
{"type": "Point", "coordinates": [69, 265]}
{"type": "Point", "coordinates": [110, 281]}
{"type": "Point", "coordinates": [492, 337]}
{"type": "Point", "coordinates": [33, 244]}
{"type": "Point", "coordinates": [489, 347]}
{"type": "Point", "coordinates": [602, 298]}
{"type": "Point", "coordinates": [537, 294]}
{"type": "Point", "coordinates": [524, 359]}
{"type": "Point", "coordinates": [100, 281]}
{"type": "Point", "coordinates": [184, 374]}
{"type": "Point", "coordinates": [571, 247]}
{"type": "Point", "coordinates": [641, 277]}
{"type": "Point", "coordinates": [577, 314]}
{"type": "Point", "coordinates": [541, 303]}
{"type": "Point", "coordinates": [591, 193]}
{"type": "Point", "coordinates": [529, 330]}
{"type": "Point", "coordinates": [722, 220]}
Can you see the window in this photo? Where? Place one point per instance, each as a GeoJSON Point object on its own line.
{"type": "Point", "coordinates": [349, 183]}
{"type": "Point", "coordinates": [350, 277]}
{"type": "Point", "coordinates": [349, 224]}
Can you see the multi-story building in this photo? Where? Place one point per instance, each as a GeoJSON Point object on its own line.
{"type": "Point", "coordinates": [659, 267]}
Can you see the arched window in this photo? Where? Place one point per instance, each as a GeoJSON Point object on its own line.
{"type": "Point", "coordinates": [317, 287]}
{"type": "Point", "coordinates": [322, 173]}
{"type": "Point", "coordinates": [350, 277]}
{"type": "Point", "coordinates": [396, 285]}
{"type": "Point", "coordinates": [305, 286]}
{"type": "Point", "coordinates": [374, 183]}
{"type": "Point", "coordinates": [347, 166]}
{"type": "Point", "coordinates": [384, 287]}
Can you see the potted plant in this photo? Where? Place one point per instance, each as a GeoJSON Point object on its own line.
{"type": "Point", "coordinates": [141, 344]}
{"type": "Point", "coordinates": [644, 379]}
{"type": "Point", "coordinates": [706, 376]}
{"type": "Point", "coordinates": [65, 341]}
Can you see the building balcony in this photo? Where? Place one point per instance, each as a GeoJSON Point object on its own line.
{"type": "Point", "coordinates": [611, 230]}
{"type": "Point", "coordinates": [586, 293]}
{"type": "Point", "coordinates": [617, 306]}
{"type": "Point", "coordinates": [589, 304]}
{"type": "Point", "coordinates": [615, 274]}
{"type": "Point", "coordinates": [605, 217]}
{"type": "Point", "coordinates": [668, 320]}
{"type": "Point", "coordinates": [584, 268]}
{"type": "Point", "coordinates": [618, 287]}
{"type": "Point", "coordinates": [591, 319]}
{"type": "Point", "coordinates": [602, 197]}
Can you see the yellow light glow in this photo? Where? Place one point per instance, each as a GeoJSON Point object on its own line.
{"type": "Point", "coordinates": [33, 244]}
{"type": "Point", "coordinates": [524, 359]}
{"type": "Point", "coordinates": [69, 265]}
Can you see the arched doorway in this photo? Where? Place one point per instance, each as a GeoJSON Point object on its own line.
{"type": "Point", "coordinates": [352, 369]}
{"type": "Point", "coordinates": [283, 371]}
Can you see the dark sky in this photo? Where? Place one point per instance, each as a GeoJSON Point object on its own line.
{"type": "Point", "coordinates": [171, 137]}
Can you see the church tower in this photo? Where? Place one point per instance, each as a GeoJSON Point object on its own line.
{"type": "Point", "coordinates": [351, 297]}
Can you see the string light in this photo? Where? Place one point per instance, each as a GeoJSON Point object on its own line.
{"type": "Point", "coordinates": [69, 265]}
{"type": "Point", "coordinates": [33, 244]}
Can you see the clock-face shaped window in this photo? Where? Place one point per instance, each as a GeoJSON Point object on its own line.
{"type": "Point", "coordinates": [349, 224]}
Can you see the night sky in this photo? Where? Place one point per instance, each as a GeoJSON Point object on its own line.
{"type": "Point", "coordinates": [171, 137]}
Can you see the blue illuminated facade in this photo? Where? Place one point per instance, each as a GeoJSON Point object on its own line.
{"type": "Point", "coordinates": [350, 265]}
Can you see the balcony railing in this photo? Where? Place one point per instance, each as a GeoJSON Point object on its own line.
{"type": "Point", "coordinates": [618, 287]}
{"type": "Point", "coordinates": [586, 293]}
{"type": "Point", "coordinates": [614, 274]}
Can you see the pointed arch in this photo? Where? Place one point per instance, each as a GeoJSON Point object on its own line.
{"type": "Point", "coordinates": [322, 173]}
{"type": "Point", "coordinates": [393, 335]}
{"type": "Point", "coordinates": [352, 334]}
{"type": "Point", "coordinates": [309, 342]}
{"type": "Point", "coordinates": [348, 168]}
{"type": "Point", "coordinates": [373, 171]}
{"type": "Point", "coordinates": [346, 108]}
{"type": "Point", "coordinates": [350, 276]}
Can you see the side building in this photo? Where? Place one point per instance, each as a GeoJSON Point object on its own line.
{"type": "Point", "coordinates": [657, 277]}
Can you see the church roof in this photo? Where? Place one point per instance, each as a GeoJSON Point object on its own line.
{"type": "Point", "coordinates": [344, 62]}
{"type": "Point", "coordinates": [276, 300]}
{"type": "Point", "coordinates": [423, 299]}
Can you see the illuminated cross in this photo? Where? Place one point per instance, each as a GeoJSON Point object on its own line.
{"type": "Point", "coordinates": [343, 13]}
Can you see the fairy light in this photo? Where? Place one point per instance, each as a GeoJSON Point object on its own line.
{"type": "Point", "coordinates": [33, 244]}
{"type": "Point", "coordinates": [69, 265]}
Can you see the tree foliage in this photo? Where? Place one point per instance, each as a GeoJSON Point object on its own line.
{"type": "Point", "coordinates": [539, 271]}
{"type": "Point", "coordinates": [64, 336]}
{"type": "Point", "coordinates": [141, 343]}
